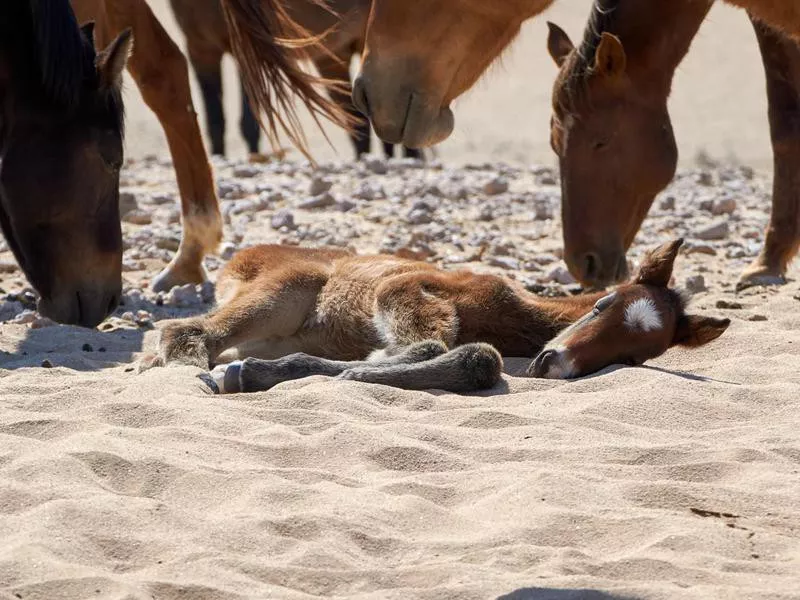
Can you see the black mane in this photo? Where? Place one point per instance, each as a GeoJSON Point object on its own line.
{"type": "Point", "coordinates": [600, 20]}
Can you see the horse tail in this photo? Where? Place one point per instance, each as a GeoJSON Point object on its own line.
{"type": "Point", "coordinates": [269, 45]}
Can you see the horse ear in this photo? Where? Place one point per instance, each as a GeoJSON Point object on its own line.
{"type": "Point", "coordinates": [609, 60]}
{"type": "Point", "coordinates": [694, 330]}
{"type": "Point", "coordinates": [111, 62]}
{"type": "Point", "coordinates": [558, 43]}
{"type": "Point", "coordinates": [88, 31]}
{"type": "Point", "coordinates": [656, 268]}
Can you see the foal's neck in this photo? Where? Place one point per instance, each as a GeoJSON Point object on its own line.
{"type": "Point", "coordinates": [656, 35]}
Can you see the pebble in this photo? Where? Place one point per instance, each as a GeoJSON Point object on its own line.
{"type": "Point", "coordinates": [757, 317]}
{"type": "Point", "coordinates": [25, 317]}
{"type": "Point", "coordinates": [504, 262]}
{"type": "Point", "coordinates": [496, 185]}
{"type": "Point", "coordinates": [723, 206]}
{"type": "Point", "coordinates": [323, 200]}
{"type": "Point", "coordinates": [137, 216]}
{"type": "Point", "coordinates": [127, 203]}
{"type": "Point", "coordinates": [319, 185]}
{"type": "Point", "coordinates": [184, 296]}
{"type": "Point", "coordinates": [376, 164]}
{"type": "Point", "coordinates": [695, 284]}
{"type": "Point", "coordinates": [87, 348]}
{"type": "Point", "coordinates": [9, 309]}
{"type": "Point", "coordinates": [246, 171]}
{"type": "Point", "coordinates": [667, 203]}
{"type": "Point", "coordinates": [714, 231]}
{"type": "Point", "coordinates": [42, 322]}
{"type": "Point", "coordinates": [227, 250]}
{"type": "Point", "coordinates": [283, 218]}
{"type": "Point", "coordinates": [728, 304]}
{"type": "Point", "coordinates": [699, 248]}
{"type": "Point", "coordinates": [560, 274]}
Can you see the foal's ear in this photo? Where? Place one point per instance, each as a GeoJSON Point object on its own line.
{"type": "Point", "coordinates": [609, 60]}
{"type": "Point", "coordinates": [88, 31]}
{"type": "Point", "coordinates": [111, 62]}
{"type": "Point", "coordinates": [657, 264]}
{"type": "Point", "coordinates": [558, 43]}
{"type": "Point", "coordinates": [694, 330]}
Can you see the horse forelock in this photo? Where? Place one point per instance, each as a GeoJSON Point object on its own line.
{"type": "Point", "coordinates": [602, 15]}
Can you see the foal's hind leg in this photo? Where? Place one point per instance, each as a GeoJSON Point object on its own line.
{"type": "Point", "coordinates": [781, 57]}
{"type": "Point", "coordinates": [160, 71]}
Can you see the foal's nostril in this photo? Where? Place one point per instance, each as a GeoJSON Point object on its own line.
{"type": "Point", "coordinates": [541, 364]}
{"type": "Point", "coordinates": [591, 266]}
{"type": "Point", "coordinates": [360, 96]}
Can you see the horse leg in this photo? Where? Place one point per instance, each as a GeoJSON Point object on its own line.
{"type": "Point", "coordinates": [781, 57]}
{"type": "Point", "coordinates": [412, 153]}
{"type": "Point", "coordinates": [207, 65]}
{"type": "Point", "coordinates": [160, 71]}
{"type": "Point", "coordinates": [331, 68]}
{"type": "Point", "coordinates": [272, 307]}
{"type": "Point", "coordinates": [256, 375]}
{"type": "Point", "coordinates": [248, 124]}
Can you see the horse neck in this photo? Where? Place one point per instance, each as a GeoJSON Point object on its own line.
{"type": "Point", "coordinates": [656, 36]}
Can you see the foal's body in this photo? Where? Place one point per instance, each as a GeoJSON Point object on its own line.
{"type": "Point", "coordinates": [342, 24]}
{"type": "Point", "coordinates": [277, 301]}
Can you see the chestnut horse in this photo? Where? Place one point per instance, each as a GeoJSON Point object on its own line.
{"type": "Point", "coordinates": [406, 86]}
{"type": "Point", "coordinates": [612, 133]}
{"type": "Point", "coordinates": [341, 28]}
{"type": "Point", "coordinates": [404, 315]}
{"type": "Point", "coordinates": [61, 128]}
{"type": "Point", "coordinates": [160, 71]}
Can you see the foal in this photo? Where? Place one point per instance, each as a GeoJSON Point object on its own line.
{"type": "Point", "coordinates": [401, 316]}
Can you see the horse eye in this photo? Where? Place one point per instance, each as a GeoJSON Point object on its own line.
{"type": "Point", "coordinates": [600, 145]}
{"type": "Point", "coordinates": [604, 302]}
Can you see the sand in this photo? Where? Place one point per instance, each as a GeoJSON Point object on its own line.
{"type": "Point", "coordinates": [678, 479]}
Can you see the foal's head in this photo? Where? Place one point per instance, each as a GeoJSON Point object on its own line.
{"type": "Point", "coordinates": [637, 321]}
{"type": "Point", "coordinates": [420, 55]}
{"type": "Point", "coordinates": [61, 126]}
{"type": "Point", "coordinates": [616, 151]}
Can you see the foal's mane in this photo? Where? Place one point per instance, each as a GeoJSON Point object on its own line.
{"type": "Point", "coordinates": [65, 58]}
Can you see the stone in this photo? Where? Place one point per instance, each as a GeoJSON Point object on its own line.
{"type": "Point", "coordinates": [87, 348]}
{"type": "Point", "coordinates": [695, 284]}
{"type": "Point", "coordinates": [504, 262]}
{"type": "Point", "coordinates": [496, 185]}
{"type": "Point", "coordinates": [184, 296]}
{"type": "Point", "coordinates": [227, 250]}
{"type": "Point", "coordinates": [319, 185]}
{"type": "Point", "coordinates": [757, 317]}
{"type": "Point", "coordinates": [699, 248]}
{"type": "Point", "coordinates": [560, 274]}
{"type": "Point", "coordinates": [323, 200]}
{"type": "Point", "coordinates": [723, 206]}
{"type": "Point", "coordinates": [667, 203]}
{"type": "Point", "coordinates": [137, 216]}
{"type": "Point", "coordinates": [127, 203]}
{"type": "Point", "coordinates": [9, 309]}
{"type": "Point", "coordinates": [207, 292]}
{"type": "Point", "coordinates": [715, 231]}
{"type": "Point", "coordinates": [283, 218]}
{"type": "Point", "coordinates": [728, 304]}
{"type": "Point", "coordinates": [376, 164]}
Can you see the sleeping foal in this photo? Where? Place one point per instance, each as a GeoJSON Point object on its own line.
{"type": "Point", "coordinates": [292, 312]}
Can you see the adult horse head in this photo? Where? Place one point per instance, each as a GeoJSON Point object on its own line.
{"type": "Point", "coordinates": [61, 125]}
{"type": "Point", "coordinates": [420, 55]}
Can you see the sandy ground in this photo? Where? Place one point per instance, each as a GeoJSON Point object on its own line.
{"type": "Point", "coordinates": [718, 105]}
{"type": "Point", "coordinates": [679, 479]}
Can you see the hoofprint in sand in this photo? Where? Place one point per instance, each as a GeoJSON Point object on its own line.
{"type": "Point", "coordinates": [679, 479]}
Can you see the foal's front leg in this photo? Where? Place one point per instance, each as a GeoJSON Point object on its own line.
{"type": "Point", "coordinates": [781, 57]}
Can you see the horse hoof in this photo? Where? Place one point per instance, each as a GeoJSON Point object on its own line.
{"type": "Point", "coordinates": [174, 275]}
{"type": "Point", "coordinates": [760, 276]}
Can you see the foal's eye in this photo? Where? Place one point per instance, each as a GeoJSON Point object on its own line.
{"type": "Point", "coordinates": [600, 145]}
{"type": "Point", "coordinates": [604, 303]}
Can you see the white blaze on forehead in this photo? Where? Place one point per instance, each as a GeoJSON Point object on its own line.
{"type": "Point", "coordinates": [642, 314]}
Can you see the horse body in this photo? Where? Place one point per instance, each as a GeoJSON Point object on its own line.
{"type": "Point", "coordinates": [343, 25]}
{"type": "Point", "coordinates": [61, 128]}
{"type": "Point", "coordinates": [336, 306]}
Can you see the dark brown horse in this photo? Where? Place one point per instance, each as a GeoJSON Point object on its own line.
{"type": "Point", "coordinates": [342, 27]}
{"type": "Point", "coordinates": [612, 132]}
{"type": "Point", "coordinates": [61, 148]}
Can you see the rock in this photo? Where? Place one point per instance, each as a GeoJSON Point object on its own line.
{"type": "Point", "coordinates": [42, 322]}
{"type": "Point", "coordinates": [25, 317]}
{"type": "Point", "coordinates": [418, 216]}
{"type": "Point", "coordinates": [345, 205]}
{"type": "Point", "coordinates": [9, 309]}
{"type": "Point", "coordinates": [319, 185]}
{"type": "Point", "coordinates": [168, 242]}
{"type": "Point", "coordinates": [87, 348]}
{"type": "Point", "coordinates": [162, 198]}
{"type": "Point", "coordinates": [705, 178]}
{"type": "Point", "coordinates": [728, 304]}
{"type": "Point", "coordinates": [207, 292]}
{"type": "Point", "coordinates": [184, 296]}
{"type": "Point", "coordinates": [376, 164]}
{"type": "Point", "coordinates": [699, 248]}
{"type": "Point", "coordinates": [8, 266]}
{"type": "Point", "coordinates": [667, 203]}
{"type": "Point", "coordinates": [137, 216]}
{"type": "Point", "coordinates": [323, 200]}
{"type": "Point", "coordinates": [46, 364]}
{"type": "Point", "coordinates": [496, 185]}
{"type": "Point", "coordinates": [723, 206]}
{"type": "Point", "coordinates": [246, 171]}
{"type": "Point", "coordinates": [715, 231]}
{"type": "Point", "coordinates": [486, 213]}
{"type": "Point", "coordinates": [757, 317]}
{"type": "Point", "coordinates": [227, 250]}
{"type": "Point", "coordinates": [504, 262]}
{"type": "Point", "coordinates": [542, 211]}
{"type": "Point", "coordinates": [127, 203]}
{"type": "Point", "coordinates": [695, 284]}
{"type": "Point", "coordinates": [560, 274]}
{"type": "Point", "coordinates": [545, 259]}
{"type": "Point", "coordinates": [283, 218]}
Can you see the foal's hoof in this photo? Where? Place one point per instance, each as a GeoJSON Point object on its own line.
{"type": "Point", "coordinates": [226, 377]}
{"type": "Point", "coordinates": [178, 274]}
{"type": "Point", "coordinates": [760, 275]}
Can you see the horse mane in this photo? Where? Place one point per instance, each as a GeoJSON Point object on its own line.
{"type": "Point", "coordinates": [600, 20]}
{"type": "Point", "coordinates": [65, 58]}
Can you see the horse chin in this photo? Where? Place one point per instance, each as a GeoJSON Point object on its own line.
{"type": "Point", "coordinates": [423, 129]}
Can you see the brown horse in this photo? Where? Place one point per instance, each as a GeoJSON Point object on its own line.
{"type": "Point", "coordinates": [612, 132]}
{"type": "Point", "coordinates": [160, 71]}
{"type": "Point", "coordinates": [342, 28]}
{"type": "Point", "coordinates": [404, 315]}
{"type": "Point", "coordinates": [61, 129]}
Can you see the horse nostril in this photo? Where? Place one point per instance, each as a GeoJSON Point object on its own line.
{"type": "Point", "coordinates": [591, 266]}
{"type": "Point", "coordinates": [541, 364]}
{"type": "Point", "coordinates": [360, 96]}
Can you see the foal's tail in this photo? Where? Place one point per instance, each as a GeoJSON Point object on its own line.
{"type": "Point", "coordinates": [269, 45]}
